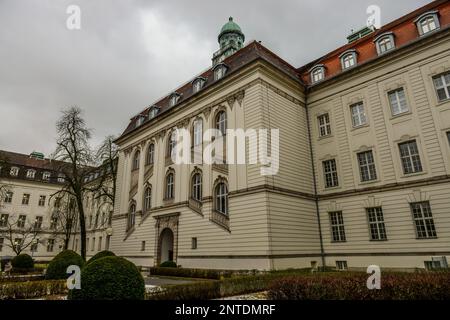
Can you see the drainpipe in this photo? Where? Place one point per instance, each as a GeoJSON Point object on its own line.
{"type": "Point", "coordinates": [316, 198]}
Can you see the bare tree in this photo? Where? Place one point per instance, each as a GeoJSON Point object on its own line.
{"type": "Point", "coordinates": [64, 220]}
{"type": "Point", "coordinates": [19, 232]}
{"type": "Point", "coordinates": [73, 149]}
{"type": "Point", "coordinates": [4, 187]}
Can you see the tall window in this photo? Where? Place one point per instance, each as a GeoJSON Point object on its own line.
{"type": "Point", "coordinates": [376, 223]}
{"type": "Point", "coordinates": [427, 23]}
{"type": "Point", "coordinates": [53, 223]}
{"type": "Point", "coordinates": [2, 240]}
{"type": "Point", "coordinates": [171, 148]}
{"type": "Point", "coordinates": [348, 60]}
{"type": "Point", "coordinates": [8, 197]}
{"type": "Point", "coordinates": [221, 198]}
{"type": "Point", "coordinates": [423, 220]}
{"type": "Point", "coordinates": [442, 86]}
{"type": "Point", "coordinates": [38, 222]}
{"type": "Point", "coordinates": [41, 201]}
{"type": "Point", "coordinates": [198, 132]}
{"type": "Point", "coordinates": [324, 125]}
{"type": "Point", "coordinates": [198, 84]}
{"type": "Point", "coordinates": [219, 72]}
{"type": "Point", "coordinates": [366, 164]}
{"type": "Point", "coordinates": [148, 198]}
{"type": "Point", "coordinates": [317, 74]}
{"type": "Point", "coordinates": [358, 114]}
{"type": "Point", "coordinates": [330, 173]}
{"type": "Point", "coordinates": [31, 173]}
{"type": "Point", "coordinates": [409, 155]}
{"type": "Point", "coordinates": [397, 101]}
{"type": "Point", "coordinates": [173, 99]}
{"type": "Point", "coordinates": [384, 43]}
{"type": "Point", "coordinates": [26, 199]}
{"type": "Point", "coordinates": [197, 187]}
{"type": "Point", "coordinates": [221, 122]}
{"type": "Point", "coordinates": [131, 217]}
{"type": "Point", "coordinates": [14, 171]}
{"type": "Point", "coordinates": [169, 194]}
{"type": "Point", "coordinates": [150, 154]}
{"type": "Point", "coordinates": [153, 112]}
{"type": "Point", "coordinates": [21, 221]}
{"type": "Point", "coordinates": [136, 158]}
{"type": "Point", "coordinates": [337, 226]}
{"type": "Point", "coordinates": [4, 220]}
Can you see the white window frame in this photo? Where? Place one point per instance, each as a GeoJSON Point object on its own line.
{"type": "Point", "coordinates": [31, 173]}
{"type": "Point", "coordinates": [150, 154]}
{"type": "Point", "coordinates": [221, 198]}
{"type": "Point", "coordinates": [198, 84]}
{"type": "Point", "coordinates": [359, 118]}
{"type": "Point", "coordinates": [432, 18]}
{"type": "Point", "coordinates": [26, 199]}
{"type": "Point", "coordinates": [131, 217]}
{"type": "Point", "coordinates": [136, 160]}
{"type": "Point", "coordinates": [170, 186]}
{"type": "Point", "coordinates": [397, 101]}
{"type": "Point", "coordinates": [14, 171]}
{"type": "Point", "coordinates": [148, 198]}
{"type": "Point", "coordinates": [46, 176]}
{"type": "Point", "coordinates": [382, 40]}
{"type": "Point", "coordinates": [330, 174]}
{"type": "Point", "coordinates": [221, 122]}
{"type": "Point", "coordinates": [219, 71]}
{"type": "Point", "coordinates": [153, 112]}
{"type": "Point", "coordinates": [173, 99]}
{"type": "Point", "coordinates": [366, 165]}
{"type": "Point", "coordinates": [41, 202]}
{"type": "Point", "coordinates": [444, 85]}
{"type": "Point", "coordinates": [197, 186]}
{"type": "Point", "coordinates": [423, 220]}
{"type": "Point", "coordinates": [198, 132]}
{"type": "Point", "coordinates": [410, 159]}
{"type": "Point", "coordinates": [348, 59]}
{"type": "Point", "coordinates": [377, 227]}
{"type": "Point", "coordinates": [317, 74]}
{"type": "Point", "coordinates": [324, 124]}
{"type": "Point", "coordinates": [337, 226]}
{"type": "Point", "coordinates": [21, 221]}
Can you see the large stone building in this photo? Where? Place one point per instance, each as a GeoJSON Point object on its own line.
{"type": "Point", "coordinates": [364, 157]}
{"type": "Point", "coordinates": [38, 220]}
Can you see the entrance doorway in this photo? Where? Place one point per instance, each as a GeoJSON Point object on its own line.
{"type": "Point", "coordinates": [166, 245]}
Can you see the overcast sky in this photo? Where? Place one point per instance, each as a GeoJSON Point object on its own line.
{"type": "Point", "coordinates": [129, 53]}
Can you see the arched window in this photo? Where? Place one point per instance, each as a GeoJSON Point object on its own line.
{"type": "Point", "coordinates": [148, 198]}
{"type": "Point", "coordinates": [197, 132]}
{"type": "Point", "coordinates": [196, 187]}
{"type": "Point", "coordinates": [221, 198]}
{"type": "Point", "coordinates": [131, 217]}
{"type": "Point", "coordinates": [172, 144]}
{"type": "Point", "coordinates": [150, 154]}
{"type": "Point", "coordinates": [136, 159]}
{"type": "Point", "coordinates": [219, 71]}
{"type": "Point", "coordinates": [348, 59]}
{"type": "Point", "coordinates": [427, 22]}
{"type": "Point", "coordinates": [169, 193]}
{"type": "Point", "coordinates": [221, 122]}
{"type": "Point", "coordinates": [317, 74]}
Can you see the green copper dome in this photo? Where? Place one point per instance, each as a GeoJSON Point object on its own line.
{"type": "Point", "coordinates": [230, 27]}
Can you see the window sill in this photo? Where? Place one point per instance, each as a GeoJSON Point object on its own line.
{"type": "Point", "coordinates": [363, 126]}
{"type": "Point", "coordinates": [414, 174]}
{"type": "Point", "coordinates": [338, 241]}
{"type": "Point", "coordinates": [443, 102]}
{"type": "Point", "coordinates": [427, 238]}
{"type": "Point", "coordinates": [400, 116]}
{"type": "Point", "coordinates": [327, 137]}
{"type": "Point", "coordinates": [369, 182]}
{"type": "Point", "coordinates": [378, 240]}
{"type": "Point", "coordinates": [331, 188]}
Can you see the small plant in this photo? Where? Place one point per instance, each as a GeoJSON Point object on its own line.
{"type": "Point", "coordinates": [57, 268]}
{"type": "Point", "coordinates": [22, 263]}
{"type": "Point", "coordinates": [168, 264]}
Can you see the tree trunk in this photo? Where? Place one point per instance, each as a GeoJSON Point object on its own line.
{"type": "Point", "coordinates": [82, 227]}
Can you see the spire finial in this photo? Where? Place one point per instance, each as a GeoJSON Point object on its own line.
{"type": "Point", "coordinates": [230, 19]}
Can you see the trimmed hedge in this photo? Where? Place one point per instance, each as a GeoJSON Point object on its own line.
{"type": "Point", "coordinates": [214, 274]}
{"type": "Point", "coordinates": [32, 289]}
{"type": "Point", "coordinates": [110, 278]}
{"type": "Point", "coordinates": [394, 286]}
{"type": "Point", "coordinates": [101, 254]}
{"type": "Point", "coordinates": [57, 268]}
{"type": "Point", "coordinates": [168, 264]}
{"type": "Point", "coordinates": [22, 278]}
{"type": "Point", "coordinates": [22, 262]}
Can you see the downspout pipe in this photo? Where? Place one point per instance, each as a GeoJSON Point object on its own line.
{"type": "Point", "coordinates": [316, 197]}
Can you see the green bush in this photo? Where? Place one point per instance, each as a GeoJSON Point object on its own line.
{"type": "Point", "coordinates": [32, 289]}
{"type": "Point", "coordinates": [57, 268]}
{"type": "Point", "coordinates": [200, 273]}
{"type": "Point", "coordinates": [394, 286]}
{"type": "Point", "coordinates": [168, 264]}
{"type": "Point", "coordinates": [101, 254]}
{"type": "Point", "coordinates": [23, 262]}
{"type": "Point", "coordinates": [110, 278]}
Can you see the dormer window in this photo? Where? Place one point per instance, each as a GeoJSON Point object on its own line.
{"type": "Point", "coordinates": [140, 120]}
{"type": "Point", "coordinates": [173, 99]}
{"type": "Point", "coordinates": [198, 84]}
{"type": "Point", "coordinates": [348, 59]}
{"type": "Point", "coordinates": [153, 112]}
{"type": "Point", "coordinates": [46, 176]}
{"type": "Point", "coordinates": [385, 42]}
{"type": "Point", "coordinates": [427, 22]}
{"type": "Point", "coordinates": [14, 171]}
{"type": "Point", "coordinates": [61, 178]}
{"type": "Point", "coordinates": [31, 173]}
{"type": "Point", "coordinates": [219, 71]}
{"type": "Point", "coordinates": [317, 73]}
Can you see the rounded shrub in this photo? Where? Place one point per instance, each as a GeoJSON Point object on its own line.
{"type": "Point", "coordinates": [168, 264]}
{"type": "Point", "coordinates": [110, 278]}
{"type": "Point", "coordinates": [57, 268]}
{"type": "Point", "coordinates": [101, 254]}
{"type": "Point", "coordinates": [22, 262]}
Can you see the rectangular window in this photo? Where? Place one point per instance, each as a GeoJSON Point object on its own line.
{"type": "Point", "coordinates": [108, 240]}
{"type": "Point", "coordinates": [341, 265]}
{"type": "Point", "coordinates": [423, 220]}
{"type": "Point", "coordinates": [143, 246]}
{"type": "Point", "coordinates": [366, 164]}
{"type": "Point", "coordinates": [100, 240]}
{"type": "Point", "coordinates": [337, 226]}
{"type": "Point", "coordinates": [41, 201]}
{"type": "Point", "coordinates": [442, 86]}
{"type": "Point", "coordinates": [93, 244]}
{"type": "Point", "coordinates": [8, 197]}
{"type": "Point", "coordinates": [194, 243]}
{"type": "Point", "coordinates": [376, 223]}
{"type": "Point", "coordinates": [409, 155]}
{"type": "Point", "coordinates": [2, 240]}
{"type": "Point", "coordinates": [358, 114]}
{"type": "Point", "coordinates": [38, 222]}
{"type": "Point", "coordinates": [26, 199]}
{"type": "Point", "coordinates": [330, 173]}
{"type": "Point", "coordinates": [324, 125]}
{"type": "Point", "coordinates": [4, 220]}
{"type": "Point", "coordinates": [50, 245]}
{"type": "Point", "coordinates": [21, 221]}
{"type": "Point", "coordinates": [53, 223]}
{"type": "Point", "coordinates": [397, 101]}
